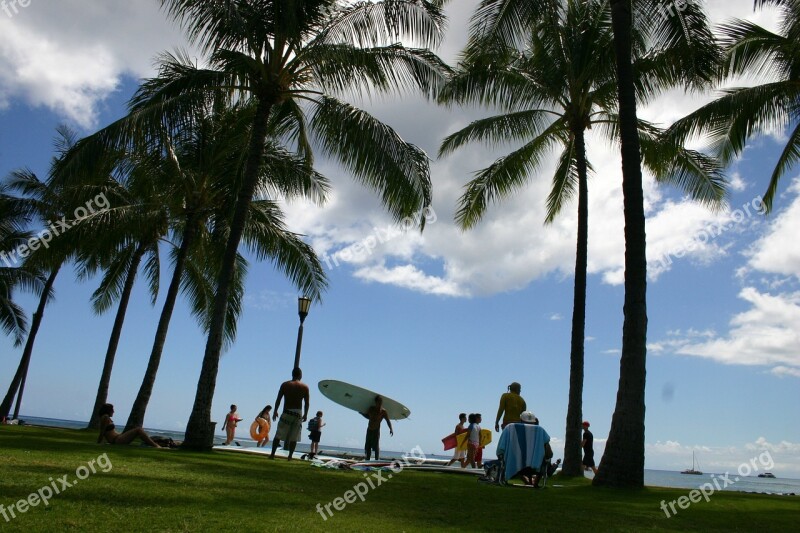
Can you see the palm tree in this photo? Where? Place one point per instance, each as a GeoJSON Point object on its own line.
{"type": "Point", "coordinates": [202, 166]}
{"type": "Point", "coordinates": [130, 235]}
{"type": "Point", "coordinates": [60, 209]}
{"type": "Point", "coordinates": [289, 58]}
{"type": "Point", "coordinates": [555, 82]}
{"type": "Point", "coordinates": [624, 466]}
{"type": "Point", "coordinates": [743, 112]}
{"type": "Point", "coordinates": [685, 40]}
{"type": "Point", "coordinates": [48, 206]}
{"type": "Point", "coordinates": [117, 284]}
{"type": "Point", "coordinates": [14, 220]}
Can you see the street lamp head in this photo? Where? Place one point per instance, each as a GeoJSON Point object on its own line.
{"type": "Point", "coordinates": [303, 305]}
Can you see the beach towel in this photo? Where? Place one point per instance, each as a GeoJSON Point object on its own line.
{"type": "Point", "coordinates": [522, 445]}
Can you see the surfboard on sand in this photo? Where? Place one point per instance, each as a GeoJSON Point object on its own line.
{"type": "Point", "coordinates": [360, 399]}
{"type": "Point", "coordinates": [280, 452]}
{"type": "Point", "coordinates": [456, 469]}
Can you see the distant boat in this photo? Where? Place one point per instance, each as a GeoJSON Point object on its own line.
{"type": "Point", "coordinates": [693, 470]}
{"type": "Point", "coordinates": [767, 474]}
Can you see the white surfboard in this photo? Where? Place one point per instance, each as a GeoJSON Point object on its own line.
{"type": "Point", "coordinates": [360, 399]}
{"type": "Point", "coordinates": [280, 452]}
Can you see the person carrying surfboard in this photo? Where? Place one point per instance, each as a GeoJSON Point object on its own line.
{"type": "Point", "coordinates": [375, 414]}
{"type": "Point", "coordinates": [511, 406]}
{"type": "Point", "coordinates": [295, 412]}
{"type": "Point", "coordinates": [459, 455]}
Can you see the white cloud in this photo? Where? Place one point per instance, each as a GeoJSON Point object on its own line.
{"type": "Point", "coordinates": [752, 457]}
{"type": "Point", "coordinates": [409, 277]}
{"type": "Point", "coordinates": [72, 82]}
{"type": "Point", "coordinates": [783, 371]}
{"type": "Point", "coordinates": [267, 300]}
{"type": "Point", "coordinates": [766, 334]}
{"type": "Point", "coordinates": [71, 68]}
{"type": "Point", "coordinates": [777, 252]}
{"type": "Point", "coordinates": [69, 56]}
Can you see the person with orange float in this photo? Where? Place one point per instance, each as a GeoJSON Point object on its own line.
{"type": "Point", "coordinates": [259, 429]}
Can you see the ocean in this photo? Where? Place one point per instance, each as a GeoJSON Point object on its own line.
{"type": "Point", "coordinates": [652, 478]}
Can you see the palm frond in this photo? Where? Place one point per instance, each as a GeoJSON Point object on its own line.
{"type": "Point", "coordinates": [789, 157]}
{"type": "Point", "coordinates": [510, 127]}
{"type": "Point", "coordinates": [268, 238]}
{"type": "Point", "coordinates": [506, 175]}
{"type": "Point", "coordinates": [565, 179]}
{"type": "Point", "coordinates": [376, 155]}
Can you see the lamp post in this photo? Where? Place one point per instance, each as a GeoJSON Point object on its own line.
{"type": "Point", "coordinates": [303, 305]}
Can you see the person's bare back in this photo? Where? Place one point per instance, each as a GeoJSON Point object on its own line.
{"type": "Point", "coordinates": [294, 393]}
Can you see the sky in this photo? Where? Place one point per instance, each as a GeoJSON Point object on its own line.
{"type": "Point", "coordinates": [441, 321]}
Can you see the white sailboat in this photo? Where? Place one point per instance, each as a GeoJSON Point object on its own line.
{"type": "Point", "coordinates": [693, 470]}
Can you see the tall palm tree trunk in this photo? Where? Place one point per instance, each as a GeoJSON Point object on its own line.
{"type": "Point", "coordinates": [18, 383]}
{"type": "Point", "coordinates": [622, 464]}
{"type": "Point", "coordinates": [200, 429]}
{"type": "Point", "coordinates": [113, 341]}
{"type": "Point", "coordinates": [572, 443]}
{"type": "Point", "coordinates": [136, 417]}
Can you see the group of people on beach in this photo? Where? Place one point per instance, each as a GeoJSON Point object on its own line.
{"type": "Point", "coordinates": [470, 452]}
{"type": "Point", "coordinates": [294, 394]}
{"type": "Point", "coordinates": [511, 410]}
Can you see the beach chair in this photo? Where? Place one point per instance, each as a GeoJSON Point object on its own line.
{"type": "Point", "coordinates": [523, 450]}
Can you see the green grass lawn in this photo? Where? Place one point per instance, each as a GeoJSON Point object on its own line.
{"type": "Point", "coordinates": [144, 489]}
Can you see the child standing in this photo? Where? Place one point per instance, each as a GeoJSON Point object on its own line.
{"type": "Point", "coordinates": [231, 419]}
{"type": "Point", "coordinates": [473, 439]}
{"type": "Point", "coordinates": [315, 428]}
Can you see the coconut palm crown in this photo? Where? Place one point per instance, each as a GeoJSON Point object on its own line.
{"type": "Point", "coordinates": [293, 60]}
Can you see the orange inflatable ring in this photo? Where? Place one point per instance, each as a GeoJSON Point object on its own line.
{"type": "Point", "coordinates": [259, 430]}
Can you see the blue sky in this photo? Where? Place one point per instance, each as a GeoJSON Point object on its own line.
{"type": "Point", "coordinates": [442, 321]}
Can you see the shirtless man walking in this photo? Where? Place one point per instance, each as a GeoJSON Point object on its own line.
{"type": "Point", "coordinates": [375, 414]}
{"type": "Point", "coordinates": [295, 412]}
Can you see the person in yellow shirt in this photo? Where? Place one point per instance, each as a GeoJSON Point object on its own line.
{"type": "Point", "coordinates": [511, 406]}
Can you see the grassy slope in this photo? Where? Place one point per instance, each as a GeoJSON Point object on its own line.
{"type": "Point", "coordinates": [153, 490]}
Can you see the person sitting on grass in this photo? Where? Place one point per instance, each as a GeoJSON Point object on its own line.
{"type": "Point", "coordinates": [109, 433]}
